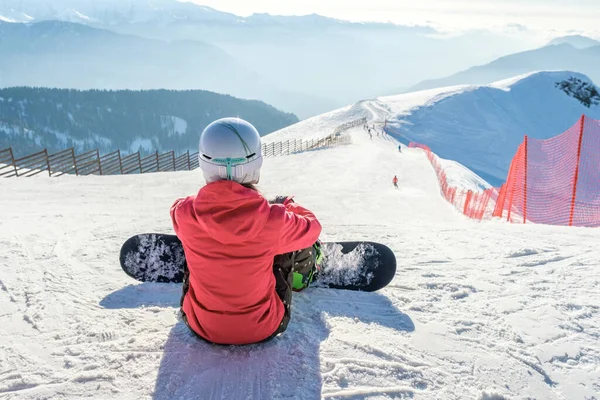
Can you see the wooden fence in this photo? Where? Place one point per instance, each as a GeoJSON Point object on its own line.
{"type": "Point", "coordinates": [351, 124]}
{"type": "Point", "coordinates": [92, 163]}
{"type": "Point", "coordinates": [300, 145]}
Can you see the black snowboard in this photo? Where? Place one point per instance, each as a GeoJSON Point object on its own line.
{"type": "Point", "coordinates": [362, 266]}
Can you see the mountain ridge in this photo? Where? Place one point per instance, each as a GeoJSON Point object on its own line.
{"type": "Point", "coordinates": [560, 56]}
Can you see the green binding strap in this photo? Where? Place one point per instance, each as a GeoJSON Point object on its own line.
{"type": "Point", "coordinates": [298, 281]}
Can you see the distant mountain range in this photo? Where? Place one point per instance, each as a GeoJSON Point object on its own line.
{"type": "Point", "coordinates": [577, 41]}
{"type": "Point", "coordinates": [306, 65]}
{"type": "Point", "coordinates": [301, 64]}
{"type": "Point", "coordinates": [32, 119]}
{"type": "Point", "coordinates": [573, 53]}
{"type": "Point", "coordinates": [68, 55]}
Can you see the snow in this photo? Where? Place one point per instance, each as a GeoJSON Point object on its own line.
{"type": "Point", "coordinates": [320, 126]}
{"type": "Point", "coordinates": [81, 16]}
{"type": "Point", "coordinates": [111, 12]}
{"type": "Point", "coordinates": [4, 19]}
{"type": "Point", "coordinates": [478, 310]}
{"type": "Point", "coordinates": [482, 126]}
{"type": "Point", "coordinates": [14, 130]}
{"type": "Point", "coordinates": [141, 144]}
{"type": "Point", "coordinates": [8, 129]}
{"type": "Point", "coordinates": [72, 15]}
{"type": "Point", "coordinates": [174, 126]}
{"type": "Point", "coordinates": [458, 175]}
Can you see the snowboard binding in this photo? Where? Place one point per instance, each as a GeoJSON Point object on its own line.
{"type": "Point", "coordinates": [303, 280]}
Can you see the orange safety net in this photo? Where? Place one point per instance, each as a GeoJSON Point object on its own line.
{"type": "Point", "coordinates": [555, 181]}
{"type": "Point", "coordinates": [474, 205]}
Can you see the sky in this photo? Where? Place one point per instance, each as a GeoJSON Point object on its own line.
{"type": "Point", "coordinates": [580, 16]}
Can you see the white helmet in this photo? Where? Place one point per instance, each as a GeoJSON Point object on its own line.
{"type": "Point", "coordinates": [230, 149]}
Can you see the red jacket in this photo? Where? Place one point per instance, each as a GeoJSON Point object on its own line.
{"type": "Point", "coordinates": [230, 235]}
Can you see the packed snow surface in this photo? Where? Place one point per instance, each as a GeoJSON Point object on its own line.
{"type": "Point", "coordinates": [477, 310]}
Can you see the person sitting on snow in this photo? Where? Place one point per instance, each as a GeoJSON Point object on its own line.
{"type": "Point", "coordinates": [245, 255]}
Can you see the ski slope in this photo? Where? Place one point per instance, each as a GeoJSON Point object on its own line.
{"type": "Point", "coordinates": [477, 310]}
{"type": "Point", "coordinates": [481, 126]}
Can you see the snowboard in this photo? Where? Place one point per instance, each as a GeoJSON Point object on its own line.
{"type": "Point", "coordinates": [359, 266]}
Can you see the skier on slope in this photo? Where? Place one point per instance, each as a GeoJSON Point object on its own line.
{"type": "Point", "coordinates": [244, 254]}
{"type": "Point", "coordinates": [395, 181]}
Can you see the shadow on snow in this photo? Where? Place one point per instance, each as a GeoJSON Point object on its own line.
{"type": "Point", "coordinates": [284, 367]}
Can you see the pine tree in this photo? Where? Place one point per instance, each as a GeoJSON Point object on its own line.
{"type": "Point", "coordinates": [585, 92]}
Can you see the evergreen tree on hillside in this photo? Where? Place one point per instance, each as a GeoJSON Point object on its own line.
{"type": "Point", "coordinates": [585, 92]}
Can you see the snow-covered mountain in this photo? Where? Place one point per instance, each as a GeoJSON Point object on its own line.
{"type": "Point", "coordinates": [479, 126]}
{"type": "Point", "coordinates": [563, 54]}
{"type": "Point", "coordinates": [482, 126]}
{"type": "Point", "coordinates": [477, 310]}
{"type": "Point", "coordinates": [109, 12]}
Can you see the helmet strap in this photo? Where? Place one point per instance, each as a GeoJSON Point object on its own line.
{"type": "Point", "coordinates": [229, 163]}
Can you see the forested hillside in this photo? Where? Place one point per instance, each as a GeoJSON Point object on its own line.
{"type": "Point", "coordinates": [35, 118]}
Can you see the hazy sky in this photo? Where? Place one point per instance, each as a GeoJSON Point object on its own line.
{"type": "Point", "coordinates": [547, 15]}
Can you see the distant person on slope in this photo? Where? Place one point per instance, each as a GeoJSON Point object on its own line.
{"type": "Point", "coordinates": [399, 149]}
{"type": "Point", "coordinates": [244, 254]}
{"type": "Point", "coordinates": [395, 181]}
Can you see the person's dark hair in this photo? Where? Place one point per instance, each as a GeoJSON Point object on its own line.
{"type": "Point", "coordinates": [251, 187]}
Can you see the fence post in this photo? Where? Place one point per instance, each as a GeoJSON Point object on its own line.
{"type": "Point", "coordinates": [139, 161]}
{"type": "Point", "coordinates": [525, 184]}
{"type": "Point", "coordinates": [173, 158]}
{"type": "Point", "coordinates": [12, 160]}
{"type": "Point", "coordinates": [99, 163]}
{"type": "Point", "coordinates": [120, 162]}
{"type": "Point", "coordinates": [576, 178]}
{"type": "Point", "coordinates": [467, 203]}
{"type": "Point", "coordinates": [47, 162]}
{"type": "Point", "coordinates": [512, 189]}
{"type": "Point", "coordinates": [188, 160]}
{"type": "Point", "coordinates": [499, 207]}
{"type": "Point", "coordinates": [273, 148]}
{"type": "Point", "coordinates": [75, 163]}
{"type": "Point", "coordinates": [73, 158]}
